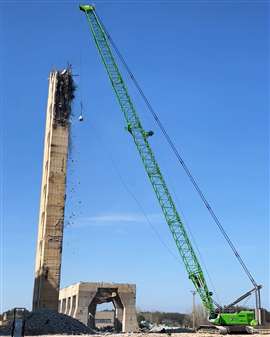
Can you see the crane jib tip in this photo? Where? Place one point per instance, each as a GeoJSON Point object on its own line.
{"type": "Point", "coordinates": [87, 8]}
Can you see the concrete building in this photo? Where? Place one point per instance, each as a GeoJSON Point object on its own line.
{"type": "Point", "coordinates": [52, 200]}
{"type": "Point", "coordinates": [81, 299]}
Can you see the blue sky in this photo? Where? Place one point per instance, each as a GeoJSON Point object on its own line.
{"type": "Point", "coordinates": [204, 66]}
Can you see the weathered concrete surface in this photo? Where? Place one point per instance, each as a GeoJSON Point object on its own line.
{"type": "Point", "coordinates": [80, 301]}
{"type": "Point", "coordinates": [105, 319]}
{"type": "Point", "coordinates": [52, 200]}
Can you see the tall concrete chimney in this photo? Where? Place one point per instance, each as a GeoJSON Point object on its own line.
{"type": "Point", "coordinates": [53, 191]}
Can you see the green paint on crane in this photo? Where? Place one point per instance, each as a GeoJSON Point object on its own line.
{"type": "Point", "coordinates": [87, 8]}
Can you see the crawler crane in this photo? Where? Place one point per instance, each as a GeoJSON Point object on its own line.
{"type": "Point", "coordinates": [224, 321]}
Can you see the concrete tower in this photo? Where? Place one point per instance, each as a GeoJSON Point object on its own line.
{"type": "Point", "coordinates": [52, 200]}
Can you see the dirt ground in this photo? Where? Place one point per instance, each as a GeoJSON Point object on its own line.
{"type": "Point", "coordinates": [140, 334]}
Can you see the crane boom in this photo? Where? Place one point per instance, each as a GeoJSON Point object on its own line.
{"type": "Point", "coordinates": [140, 137]}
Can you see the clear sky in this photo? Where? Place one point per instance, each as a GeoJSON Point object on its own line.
{"type": "Point", "coordinates": [205, 67]}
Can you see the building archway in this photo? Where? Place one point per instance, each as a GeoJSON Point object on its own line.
{"type": "Point", "coordinates": [106, 295]}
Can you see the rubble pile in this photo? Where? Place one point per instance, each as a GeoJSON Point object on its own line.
{"type": "Point", "coordinates": [46, 322]}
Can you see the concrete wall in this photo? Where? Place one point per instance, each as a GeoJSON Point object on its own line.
{"type": "Point", "coordinates": [104, 319]}
{"type": "Point", "coordinates": [87, 295]}
{"type": "Point", "coordinates": [52, 200]}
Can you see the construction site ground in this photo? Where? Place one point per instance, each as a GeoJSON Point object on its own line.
{"type": "Point", "coordinates": [145, 334]}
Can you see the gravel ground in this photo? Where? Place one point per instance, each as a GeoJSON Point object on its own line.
{"type": "Point", "coordinates": [153, 335]}
{"type": "Point", "coordinates": [48, 322]}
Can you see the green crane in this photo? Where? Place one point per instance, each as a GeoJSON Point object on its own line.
{"type": "Point", "coordinates": [173, 219]}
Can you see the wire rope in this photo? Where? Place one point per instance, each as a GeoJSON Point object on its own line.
{"type": "Point", "coordinates": [178, 156]}
{"type": "Point", "coordinates": [131, 193]}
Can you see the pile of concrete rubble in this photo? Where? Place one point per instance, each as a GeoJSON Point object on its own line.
{"type": "Point", "coordinates": [45, 322]}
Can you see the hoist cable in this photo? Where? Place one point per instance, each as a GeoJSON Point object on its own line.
{"type": "Point", "coordinates": [178, 156]}
{"type": "Point", "coordinates": [197, 248]}
{"type": "Point", "coordinates": [117, 171]}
